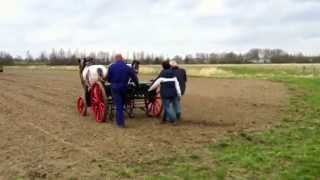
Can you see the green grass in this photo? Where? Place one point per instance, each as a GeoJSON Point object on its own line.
{"type": "Point", "coordinates": [269, 72]}
{"type": "Point", "coordinates": [289, 151]}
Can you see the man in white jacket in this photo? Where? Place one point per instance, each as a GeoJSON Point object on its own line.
{"type": "Point", "coordinates": [170, 93]}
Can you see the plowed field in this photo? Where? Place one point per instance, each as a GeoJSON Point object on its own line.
{"type": "Point", "coordinates": [42, 135]}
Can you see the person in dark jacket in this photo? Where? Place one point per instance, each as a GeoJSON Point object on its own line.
{"type": "Point", "coordinates": [181, 75]}
{"type": "Point", "coordinates": [169, 92]}
{"type": "Point", "coordinates": [118, 75]}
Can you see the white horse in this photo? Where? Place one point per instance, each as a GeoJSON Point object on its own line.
{"type": "Point", "coordinates": [91, 73]}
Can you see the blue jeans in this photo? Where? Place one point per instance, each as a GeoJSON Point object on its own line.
{"type": "Point", "coordinates": [172, 109]}
{"type": "Point", "coordinates": [118, 100]}
{"type": "Point", "coordinates": [177, 107]}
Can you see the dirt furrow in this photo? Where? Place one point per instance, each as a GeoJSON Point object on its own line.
{"type": "Point", "coordinates": [42, 135]}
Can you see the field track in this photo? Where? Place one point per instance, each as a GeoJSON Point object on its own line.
{"type": "Point", "coordinates": [42, 136]}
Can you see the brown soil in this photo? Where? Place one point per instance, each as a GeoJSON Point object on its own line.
{"type": "Point", "coordinates": [42, 135]}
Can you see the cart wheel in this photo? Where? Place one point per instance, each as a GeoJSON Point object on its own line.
{"type": "Point", "coordinates": [130, 107]}
{"type": "Point", "coordinates": [110, 109]}
{"type": "Point", "coordinates": [99, 102]}
{"type": "Point", "coordinates": [154, 107]}
{"type": "Point", "coordinates": [82, 106]}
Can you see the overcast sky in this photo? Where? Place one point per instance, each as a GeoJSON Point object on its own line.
{"type": "Point", "coordinates": [166, 27]}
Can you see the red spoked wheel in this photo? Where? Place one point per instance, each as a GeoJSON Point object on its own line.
{"type": "Point", "coordinates": [129, 107]}
{"type": "Point", "coordinates": [99, 102]}
{"type": "Point", "coordinates": [82, 106]}
{"type": "Point", "coordinates": [154, 107]}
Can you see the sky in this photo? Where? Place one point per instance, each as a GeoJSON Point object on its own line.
{"type": "Point", "coordinates": [167, 27]}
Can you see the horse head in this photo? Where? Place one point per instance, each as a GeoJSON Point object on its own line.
{"type": "Point", "coordinates": [135, 66]}
{"type": "Point", "coordinates": [84, 62]}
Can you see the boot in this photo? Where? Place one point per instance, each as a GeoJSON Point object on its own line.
{"type": "Point", "coordinates": [163, 120]}
{"type": "Point", "coordinates": [178, 116]}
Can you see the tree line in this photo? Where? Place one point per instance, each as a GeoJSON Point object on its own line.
{"type": "Point", "coordinates": [62, 57]}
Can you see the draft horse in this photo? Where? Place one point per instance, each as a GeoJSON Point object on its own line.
{"type": "Point", "coordinates": [90, 73]}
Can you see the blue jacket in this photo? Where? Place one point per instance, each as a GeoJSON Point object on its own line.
{"type": "Point", "coordinates": [168, 89]}
{"type": "Point", "coordinates": [119, 74]}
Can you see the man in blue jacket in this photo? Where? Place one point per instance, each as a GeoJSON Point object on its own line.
{"type": "Point", "coordinates": [118, 75]}
{"type": "Point", "coordinates": [181, 75]}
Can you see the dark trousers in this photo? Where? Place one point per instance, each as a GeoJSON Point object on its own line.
{"type": "Point", "coordinates": [118, 100]}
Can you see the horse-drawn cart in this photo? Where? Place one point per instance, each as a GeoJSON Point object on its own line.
{"type": "Point", "coordinates": [99, 98]}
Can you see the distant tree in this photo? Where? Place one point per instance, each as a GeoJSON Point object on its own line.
{"type": "Point", "coordinates": [278, 53]}
{"type": "Point", "coordinates": [177, 58]}
{"type": "Point", "coordinates": [73, 60]}
{"type": "Point", "coordinates": [43, 58]}
{"type": "Point", "coordinates": [53, 57]}
{"type": "Point", "coordinates": [231, 57]}
{"type": "Point", "coordinates": [141, 55]}
{"type": "Point", "coordinates": [158, 60]}
{"type": "Point", "coordinates": [29, 57]}
{"type": "Point", "coordinates": [62, 57]}
{"type": "Point", "coordinates": [201, 58]}
{"type": "Point", "coordinates": [214, 58]}
{"type": "Point", "coordinates": [134, 56]}
{"type": "Point", "coordinates": [93, 55]}
{"type": "Point", "coordinates": [6, 58]}
{"type": "Point", "coordinates": [253, 54]}
{"type": "Point", "coordinates": [18, 59]}
{"type": "Point", "coordinates": [61, 54]}
{"type": "Point", "coordinates": [188, 59]}
{"type": "Point", "coordinates": [148, 59]}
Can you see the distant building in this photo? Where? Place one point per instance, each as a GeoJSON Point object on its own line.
{"type": "Point", "coordinates": [262, 59]}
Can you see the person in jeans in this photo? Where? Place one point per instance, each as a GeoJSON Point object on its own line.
{"type": "Point", "coordinates": [169, 91]}
{"type": "Point", "coordinates": [181, 75]}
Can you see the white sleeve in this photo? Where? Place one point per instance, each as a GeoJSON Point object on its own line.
{"type": "Point", "coordinates": [155, 84]}
{"type": "Point", "coordinates": [176, 82]}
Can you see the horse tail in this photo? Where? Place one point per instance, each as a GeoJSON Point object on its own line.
{"type": "Point", "coordinates": [100, 73]}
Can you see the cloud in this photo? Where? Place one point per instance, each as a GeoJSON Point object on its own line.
{"type": "Point", "coordinates": [209, 7]}
{"type": "Point", "coordinates": [166, 27]}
